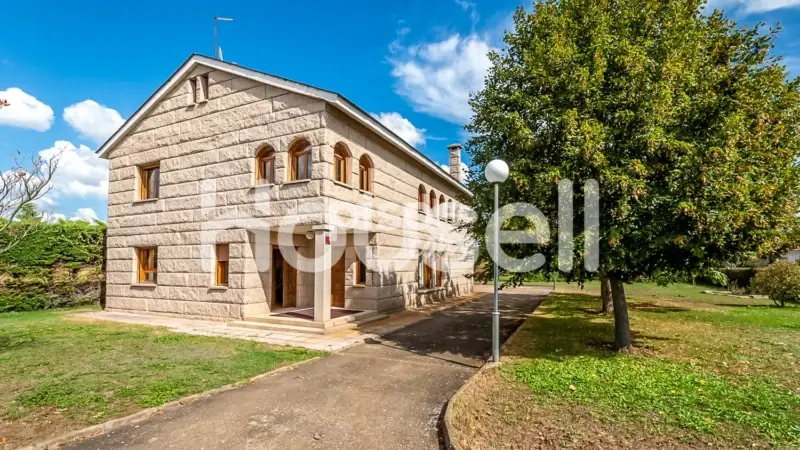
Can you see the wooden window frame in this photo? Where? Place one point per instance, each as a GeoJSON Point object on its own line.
{"type": "Point", "coordinates": [421, 273]}
{"type": "Point", "coordinates": [421, 200]}
{"type": "Point", "coordinates": [265, 174]}
{"type": "Point", "coordinates": [439, 271]}
{"type": "Point", "coordinates": [146, 263]}
{"type": "Point", "coordinates": [361, 273]}
{"type": "Point", "coordinates": [144, 189]}
{"type": "Point", "coordinates": [298, 151]}
{"type": "Point", "coordinates": [365, 174]}
{"type": "Point", "coordinates": [222, 267]}
{"type": "Point", "coordinates": [340, 164]}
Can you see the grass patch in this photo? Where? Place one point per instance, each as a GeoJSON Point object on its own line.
{"type": "Point", "coordinates": [707, 369]}
{"type": "Point", "coordinates": [60, 372]}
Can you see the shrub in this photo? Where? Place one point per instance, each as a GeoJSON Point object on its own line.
{"type": "Point", "coordinates": [780, 281]}
{"type": "Point", "coordinates": [56, 267]}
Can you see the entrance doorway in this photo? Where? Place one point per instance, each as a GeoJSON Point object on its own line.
{"type": "Point", "coordinates": [284, 282]}
{"type": "Point", "coordinates": [337, 283]}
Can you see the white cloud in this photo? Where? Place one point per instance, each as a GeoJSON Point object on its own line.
{"type": "Point", "coordinates": [752, 6]}
{"type": "Point", "coordinates": [80, 172]}
{"type": "Point", "coordinates": [25, 111]}
{"type": "Point", "coordinates": [438, 77]}
{"type": "Point", "coordinates": [402, 127]}
{"type": "Point", "coordinates": [86, 214]}
{"type": "Point", "coordinates": [93, 120]}
{"type": "Point", "coordinates": [52, 217]}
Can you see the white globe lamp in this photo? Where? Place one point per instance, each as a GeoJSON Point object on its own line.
{"type": "Point", "coordinates": [496, 171]}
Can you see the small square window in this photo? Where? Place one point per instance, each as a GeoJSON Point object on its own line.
{"type": "Point", "coordinates": [147, 259]}
{"type": "Point", "coordinates": [149, 179]}
{"type": "Point", "coordinates": [361, 272]}
{"type": "Point", "coordinates": [223, 251]}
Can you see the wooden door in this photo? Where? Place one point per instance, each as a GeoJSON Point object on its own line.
{"type": "Point", "coordinates": [337, 283]}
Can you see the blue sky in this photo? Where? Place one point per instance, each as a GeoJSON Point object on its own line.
{"type": "Point", "coordinates": [80, 70]}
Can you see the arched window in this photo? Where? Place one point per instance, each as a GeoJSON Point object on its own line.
{"type": "Point", "coordinates": [265, 165]}
{"type": "Point", "coordinates": [456, 213]}
{"type": "Point", "coordinates": [421, 199]}
{"type": "Point", "coordinates": [300, 160]}
{"type": "Point", "coordinates": [432, 203]}
{"type": "Point", "coordinates": [442, 213]}
{"type": "Point", "coordinates": [341, 159]}
{"type": "Point", "coordinates": [450, 211]}
{"type": "Point", "coordinates": [365, 173]}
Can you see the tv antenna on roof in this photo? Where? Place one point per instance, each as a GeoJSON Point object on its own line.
{"type": "Point", "coordinates": [217, 51]}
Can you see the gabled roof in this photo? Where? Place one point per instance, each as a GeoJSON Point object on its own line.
{"type": "Point", "coordinates": [337, 100]}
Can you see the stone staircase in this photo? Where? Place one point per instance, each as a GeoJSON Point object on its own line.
{"type": "Point", "coordinates": [270, 322]}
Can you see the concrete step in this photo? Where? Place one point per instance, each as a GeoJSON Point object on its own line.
{"type": "Point", "coordinates": [290, 325]}
{"type": "Point", "coordinates": [290, 321]}
{"type": "Point", "coordinates": [293, 321]}
{"type": "Point", "coordinates": [278, 328]}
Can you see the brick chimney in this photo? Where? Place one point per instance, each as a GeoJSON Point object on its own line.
{"type": "Point", "coordinates": [455, 161]}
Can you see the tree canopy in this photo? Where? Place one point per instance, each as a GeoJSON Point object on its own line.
{"type": "Point", "coordinates": [688, 121]}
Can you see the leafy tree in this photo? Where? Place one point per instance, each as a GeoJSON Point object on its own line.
{"type": "Point", "coordinates": [687, 120]}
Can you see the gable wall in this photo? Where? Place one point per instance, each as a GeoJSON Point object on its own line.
{"type": "Point", "coordinates": [206, 155]}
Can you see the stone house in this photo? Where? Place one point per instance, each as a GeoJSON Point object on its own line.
{"type": "Point", "coordinates": [242, 196]}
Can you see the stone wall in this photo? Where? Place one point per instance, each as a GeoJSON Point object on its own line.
{"type": "Point", "coordinates": [208, 196]}
{"type": "Point", "coordinates": [397, 229]}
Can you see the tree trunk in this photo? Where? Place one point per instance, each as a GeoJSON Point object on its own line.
{"type": "Point", "coordinates": [622, 326]}
{"type": "Point", "coordinates": [605, 295]}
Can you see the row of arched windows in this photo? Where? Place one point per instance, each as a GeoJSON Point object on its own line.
{"type": "Point", "coordinates": [438, 207]}
{"type": "Point", "coordinates": [300, 157]}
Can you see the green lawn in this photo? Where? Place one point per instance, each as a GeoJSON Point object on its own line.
{"type": "Point", "coordinates": [707, 370]}
{"type": "Point", "coordinates": [59, 372]}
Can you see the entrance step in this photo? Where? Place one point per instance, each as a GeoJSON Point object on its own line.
{"type": "Point", "coordinates": [278, 328]}
{"type": "Point", "coordinates": [277, 324]}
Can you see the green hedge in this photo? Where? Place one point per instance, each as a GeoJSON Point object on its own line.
{"type": "Point", "coordinates": [57, 266]}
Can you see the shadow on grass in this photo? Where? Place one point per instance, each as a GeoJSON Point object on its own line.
{"type": "Point", "coordinates": [732, 305]}
{"type": "Point", "coordinates": [564, 327]}
{"type": "Point", "coordinates": [655, 308]}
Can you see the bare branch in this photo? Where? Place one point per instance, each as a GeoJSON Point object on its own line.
{"type": "Point", "coordinates": [24, 183]}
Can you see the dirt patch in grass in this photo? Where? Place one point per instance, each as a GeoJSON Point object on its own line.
{"type": "Point", "coordinates": [58, 374]}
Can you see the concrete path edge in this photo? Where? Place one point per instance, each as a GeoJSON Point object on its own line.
{"type": "Point", "coordinates": [448, 430]}
{"type": "Point", "coordinates": [54, 443]}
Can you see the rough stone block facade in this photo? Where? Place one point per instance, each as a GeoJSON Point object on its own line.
{"type": "Point", "coordinates": [208, 195]}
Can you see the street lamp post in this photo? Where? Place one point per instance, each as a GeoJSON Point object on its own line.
{"type": "Point", "coordinates": [496, 173]}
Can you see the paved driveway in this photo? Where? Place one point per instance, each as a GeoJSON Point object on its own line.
{"type": "Point", "coordinates": [386, 394]}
